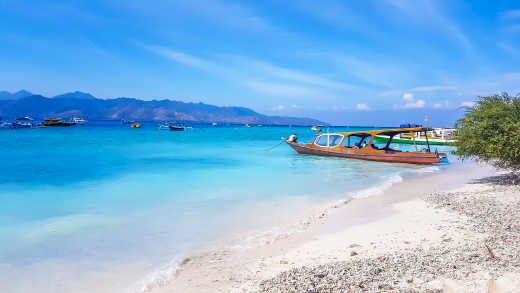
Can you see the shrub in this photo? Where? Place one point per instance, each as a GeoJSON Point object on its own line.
{"type": "Point", "coordinates": [490, 132]}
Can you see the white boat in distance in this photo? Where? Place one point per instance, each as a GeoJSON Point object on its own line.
{"type": "Point", "coordinates": [78, 120]}
{"type": "Point", "coordinates": [317, 128]}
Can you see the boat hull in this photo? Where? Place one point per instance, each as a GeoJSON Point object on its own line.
{"type": "Point", "coordinates": [415, 158]}
{"type": "Point", "coordinates": [61, 124]}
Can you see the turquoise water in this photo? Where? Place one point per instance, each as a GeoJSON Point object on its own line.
{"type": "Point", "coordinates": [103, 200]}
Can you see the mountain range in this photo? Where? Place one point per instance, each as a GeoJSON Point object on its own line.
{"type": "Point", "coordinates": [87, 106]}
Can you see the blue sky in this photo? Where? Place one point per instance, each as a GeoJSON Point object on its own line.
{"type": "Point", "coordinates": [325, 59]}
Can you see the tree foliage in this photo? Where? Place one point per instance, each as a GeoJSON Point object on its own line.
{"type": "Point", "coordinates": [490, 131]}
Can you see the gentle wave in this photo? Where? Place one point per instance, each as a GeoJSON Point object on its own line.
{"type": "Point", "coordinates": [158, 278]}
{"type": "Point", "coordinates": [391, 180]}
{"type": "Point", "coordinates": [379, 189]}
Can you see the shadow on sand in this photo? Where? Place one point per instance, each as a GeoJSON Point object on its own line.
{"type": "Point", "coordinates": [504, 179]}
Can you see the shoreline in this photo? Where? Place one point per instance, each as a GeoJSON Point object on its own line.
{"type": "Point", "coordinates": [330, 235]}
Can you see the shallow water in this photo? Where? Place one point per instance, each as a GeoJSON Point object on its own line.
{"type": "Point", "coordinates": [99, 207]}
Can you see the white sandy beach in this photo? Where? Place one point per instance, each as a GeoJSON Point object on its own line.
{"type": "Point", "coordinates": [398, 221]}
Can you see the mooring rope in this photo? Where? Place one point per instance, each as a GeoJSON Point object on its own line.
{"type": "Point", "coordinates": [273, 147]}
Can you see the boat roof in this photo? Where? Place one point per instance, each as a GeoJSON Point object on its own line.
{"type": "Point", "coordinates": [384, 131]}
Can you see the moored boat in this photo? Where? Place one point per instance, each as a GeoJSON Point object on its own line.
{"type": "Point", "coordinates": [79, 120]}
{"type": "Point", "coordinates": [164, 126]}
{"type": "Point", "coordinates": [177, 128]}
{"type": "Point", "coordinates": [361, 145]}
{"type": "Point", "coordinates": [317, 128]}
{"type": "Point", "coordinates": [56, 122]}
{"type": "Point", "coordinates": [136, 125]}
{"type": "Point", "coordinates": [436, 136]}
{"type": "Point", "coordinates": [22, 122]}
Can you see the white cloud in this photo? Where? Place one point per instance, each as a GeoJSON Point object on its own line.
{"type": "Point", "coordinates": [339, 108]}
{"type": "Point", "coordinates": [377, 72]}
{"type": "Point", "coordinates": [362, 107]}
{"type": "Point", "coordinates": [183, 58]}
{"type": "Point", "coordinates": [427, 13]}
{"type": "Point", "coordinates": [235, 15]}
{"type": "Point", "coordinates": [429, 88]}
{"type": "Point", "coordinates": [416, 104]}
{"type": "Point", "coordinates": [408, 97]}
{"type": "Point", "coordinates": [279, 108]}
{"type": "Point", "coordinates": [217, 13]}
{"type": "Point", "coordinates": [280, 89]}
{"type": "Point", "coordinates": [296, 76]}
{"type": "Point", "coordinates": [258, 75]}
{"type": "Point", "coordinates": [411, 102]}
{"type": "Point", "coordinates": [443, 105]}
{"type": "Point", "coordinates": [433, 88]}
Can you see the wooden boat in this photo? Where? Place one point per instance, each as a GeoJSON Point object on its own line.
{"type": "Point", "coordinates": [136, 125]}
{"type": "Point", "coordinates": [437, 136]}
{"type": "Point", "coordinates": [56, 122]}
{"type": "Point", "coordinates": [360, 145]}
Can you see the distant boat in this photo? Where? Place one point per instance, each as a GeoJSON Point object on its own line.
{"type": "Point", "coordinates": [123, 121]}
{"type": "Point", "coordinates": [56, 122]}
{"type": "Point", "coordinates": [177, 128]}
{"type": "Point", "coordinates": [78, 120]}
{"type": "Point", "coordinates": [436, 136]}
{"type": "Point", "coordinates": [23, 122]}
{"type": "Point", "coordinates": [136, 125]}
{"type": "Point", "coordinates": [164, 126]}
{"type": "Point", "coordinates": [249, 125]}
{"type": "Point", "coordinates": [214, 124]}
{"type": "Point", "coordinates": [317, 128]}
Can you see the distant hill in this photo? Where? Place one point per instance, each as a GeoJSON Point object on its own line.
{"type": "Point", "coordinates": [89, 107]}
{"type": "Point", "coordinates": [75, 95]}
{"type": "Point", "coordinates": [4, 95]}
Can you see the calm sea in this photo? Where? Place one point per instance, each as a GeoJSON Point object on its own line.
{"type": "Point", "coordinates": [101, 207]}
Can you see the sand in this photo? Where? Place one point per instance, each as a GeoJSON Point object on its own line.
{"type": "Point", "coordinates": [398, 221]}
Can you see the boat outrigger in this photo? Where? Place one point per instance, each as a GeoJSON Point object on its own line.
{"type": "Point", "coordinates": [360, 145]}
